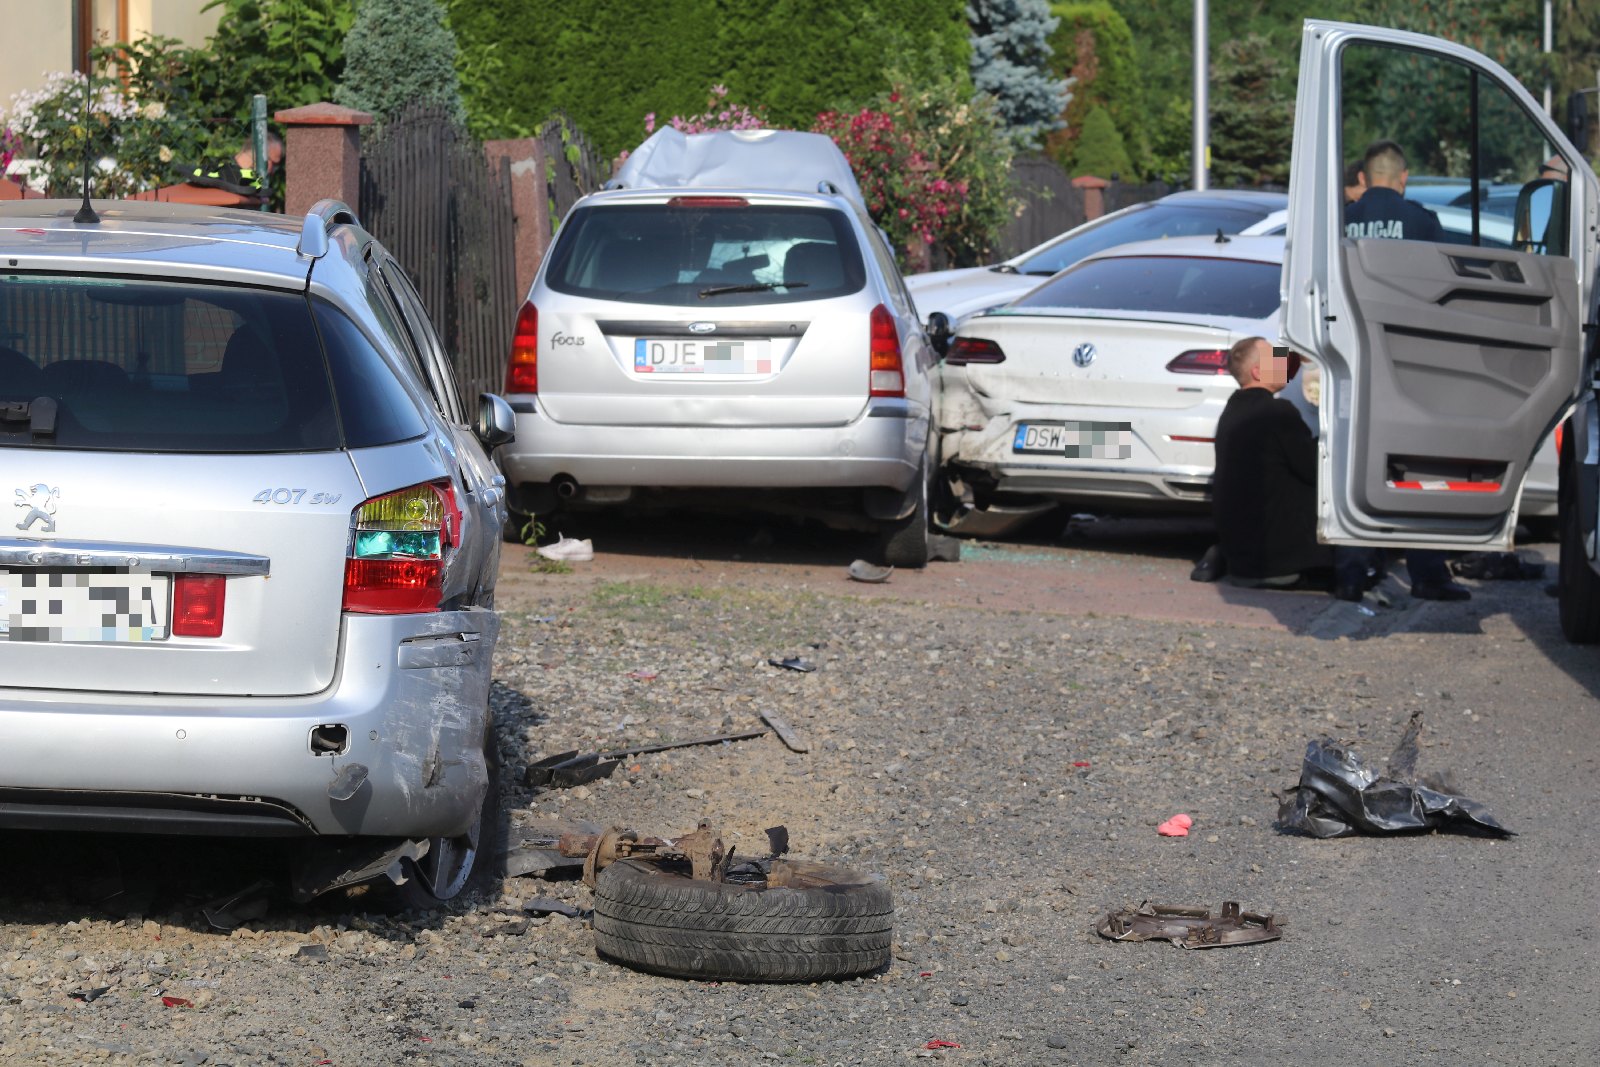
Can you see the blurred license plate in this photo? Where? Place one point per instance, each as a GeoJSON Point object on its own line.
{"type": "Point", "coordinates": [683, 356]}
{"type": "Point", "coordinates": [101, 607]}
{"type": "Point", "coordinates": [1075, 440]}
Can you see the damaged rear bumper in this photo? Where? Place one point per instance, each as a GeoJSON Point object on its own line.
{"type": "Point", "coordinates": [393, 748]}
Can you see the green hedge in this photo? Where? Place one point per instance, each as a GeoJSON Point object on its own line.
{"type": "Point", "coordinates": [1115, 84]}
{"type": "Point", "coordinates": [609, 62]}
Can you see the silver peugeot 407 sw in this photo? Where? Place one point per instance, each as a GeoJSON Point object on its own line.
{"type": "Point", "coordinates": [247, 574]}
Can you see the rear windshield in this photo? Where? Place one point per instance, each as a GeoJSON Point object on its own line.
{"type": "Point", "coordinates": [1148, 223]}
{"type": "Point", "coordinates": [724, 256]}
{"type": "Point", "coordinates": [137, 365]}
{"type": "Point", "coordinates": [1183, 285]}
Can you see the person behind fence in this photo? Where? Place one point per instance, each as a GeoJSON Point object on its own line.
{"type": "Point", "coordinates": [1264, 489]}
{"type": "Point", "coordinates": [238, 175]}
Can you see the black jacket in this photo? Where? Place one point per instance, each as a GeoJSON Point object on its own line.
{"type": "Point", "coordinates": [1264, 490]}
{"type": "Point", "coordinates": [1385, 213]}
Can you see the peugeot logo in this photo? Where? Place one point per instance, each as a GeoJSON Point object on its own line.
{"type": "Point", "coordinates": [1084, 354]}
{"type": "Point", "coordinates": [40, 500]}
{"type": "Point", "coordinates": [702, 327]}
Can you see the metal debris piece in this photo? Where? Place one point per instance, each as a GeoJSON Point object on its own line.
{"type": "Point", "coordinates": [326, 864]}
{"type": "Point", "coordinates": [785, 732]}
{"type": "Point", "coordinates": [777, 840]}
{"type": "Point", "coordinates": [89, 996]}
{"type": "Point", "coordinates": [862, 571]}
{"type": "Point", "coordinates": [794, 663]}
{"type": "Point", "coordinates": [567, 769]}
{"type": "Point", "coordinates": [535, 849]}
{"type": "Point", "coordinates": [236, 909]}
{"type": "Point", "coordinates": [944, 548]}
{"type": "Point", "coordinates": [548, 906]}
{"type": "Point", "coordinates": [1188, 927]}
{"type": "Point", "coordinates": [1339, 795]}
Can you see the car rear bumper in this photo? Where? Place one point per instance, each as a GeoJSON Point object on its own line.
{"type": "Point", "coordinates": [882, 449]}
{"type": "Point", "coordinates": [411, 696]}
{"type": "Point", "coordinates": [1170, 458]}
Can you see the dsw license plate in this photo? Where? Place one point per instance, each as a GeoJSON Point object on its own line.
{"type": "Point", "coordinates": [1075, 440]}
{"type": "Point", "coordinates": [680, 356]}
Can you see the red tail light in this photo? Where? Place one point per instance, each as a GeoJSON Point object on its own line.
{"type": "Point", "coordinates": [965, 350]}
{"type": "Point", "coordinates": [197, 605]}
{"type": "Point", "coordinates": [1201, 361]}
{"type": "Point", "coordinates": [888, 375]}
{"type": "Point", "coordinates": [522, 372]}
{"type": "Point", "coordinates": [708, 201]}
{"type": "Point", "coordinates": [398, 547]}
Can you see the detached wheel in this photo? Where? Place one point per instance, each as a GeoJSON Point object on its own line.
{"type": "Point", "coordinates": [811, 922]}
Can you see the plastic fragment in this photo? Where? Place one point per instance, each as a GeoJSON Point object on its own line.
{"type": "Point", "coordinates": [941, 1043]}
{"type": "Point", "coordinates": [1080, 763]}
{"type": "Point", "coordinates": [862, 571]}
{"type": "Point", "coordinates": [794, 663]}
{"type": "Point", "coordinates": [643, 675]}
{"type": "Point", "coordinates": [176, 1002]}
{"type": "Point", "coordinates": [1177, 826]}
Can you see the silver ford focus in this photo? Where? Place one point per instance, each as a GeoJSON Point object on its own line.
{"type": "Point", "coordinates": [247, 570]}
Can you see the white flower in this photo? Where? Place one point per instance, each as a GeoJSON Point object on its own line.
{"type": "Point", "coordinates": [155, 109]}
{"type": "Point", "coordinates": [165, 153]}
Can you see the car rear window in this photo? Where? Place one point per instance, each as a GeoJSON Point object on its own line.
{"type": "Point", "coordinates": [141, 365]}
{"type": "Point", "coordinates": [1185, 285]}
{"type": "Point", "coordinates": [684, 255]}
{"type": "Point", "coordinates": [1149, 223]}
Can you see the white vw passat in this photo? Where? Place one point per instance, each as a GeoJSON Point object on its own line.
{"type": "Point", "coordinates": [1102, 387]}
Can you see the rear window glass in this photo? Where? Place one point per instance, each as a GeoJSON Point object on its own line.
{"type": "Point", "coordinates": [1143, 224]}
{"type": "Point", "coordinates": [138, 365]}
{"type": "Point", "coordinates": [711, 257]}
{"type": "Point", "coordinates": [1182, 285]}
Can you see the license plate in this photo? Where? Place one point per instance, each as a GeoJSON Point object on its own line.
{"type": "Point", "coordinates": [682, 356]}
{"type": "Point", "coordinates": [100, 607]}
{"type": "Point", "coordinates": [1075, 440]}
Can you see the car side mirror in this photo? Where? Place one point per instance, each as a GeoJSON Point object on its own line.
{"type": "Point", "coordinates": [939, 332]}
{"type": "Point", "coordinates": [1541, 217]}
{"type": "Point", "coordinates": [497, 423]}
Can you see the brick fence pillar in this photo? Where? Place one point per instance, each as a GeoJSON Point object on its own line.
{"type": "Point", "coordinates": [1094, 200]}
{"type": "Point", "coordinates": [530, 203]}
{"type": "Point", "coordinates": [321, 155]}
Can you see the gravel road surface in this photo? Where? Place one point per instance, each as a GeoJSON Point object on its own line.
{"type": "Point", "coordinates": [998, 738]}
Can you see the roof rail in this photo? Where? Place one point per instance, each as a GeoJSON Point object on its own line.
{"type": "Point", "coordinates": [323, 216]}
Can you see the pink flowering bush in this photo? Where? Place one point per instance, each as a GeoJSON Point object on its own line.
{"type": "Point", "coordinates": [9, 142]}
{"type": "Point", "coordinates": [720, 114]}
{"type": "Point", "coordinates": [934, 166]}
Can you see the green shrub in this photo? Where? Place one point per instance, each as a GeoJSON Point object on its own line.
{"type": "Point", "coordinates": [397, 53]}
{"type": "Point", "coordinates": [1100, 150]}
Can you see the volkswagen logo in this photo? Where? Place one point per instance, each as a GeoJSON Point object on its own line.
{"type": "Point", "coordinates": [1084, 354]}
{"type": "Point", "coordinates": [702, 327]}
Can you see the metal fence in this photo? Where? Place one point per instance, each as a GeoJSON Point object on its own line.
{"type": "Point", "coordinates": [430, 196]}
{"type": "Point", "coordinates": [573, 167]}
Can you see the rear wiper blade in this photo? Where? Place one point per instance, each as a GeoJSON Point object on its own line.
{"type": "Point", "coordinates": [758, 287]}
{"type": "Point", "coordinates": [39, 413]}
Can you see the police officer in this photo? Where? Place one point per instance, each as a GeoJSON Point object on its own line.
{"type": "Point", "coordinates": [1383, 210]}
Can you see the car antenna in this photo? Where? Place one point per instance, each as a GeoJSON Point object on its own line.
{"type": "Point", "coordinates": [86, 212]}
{"type": "Point", "coordinates": [1222, 238]}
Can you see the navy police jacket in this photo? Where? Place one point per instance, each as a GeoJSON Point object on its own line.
{"type": "Point", "coordinates": [1385, 213]}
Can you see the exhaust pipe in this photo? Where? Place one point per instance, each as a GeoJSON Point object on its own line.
{"type": "Point", "coordinates": [566, 486]}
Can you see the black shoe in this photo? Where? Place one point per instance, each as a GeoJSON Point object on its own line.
{"type": "Point", "coordinates": [1351, 593]}
{"type": "Point", "coordinates": [1440, 591]}
{"type": "Point", "coordinates": [1211, 566]}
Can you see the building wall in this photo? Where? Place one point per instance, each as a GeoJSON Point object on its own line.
{"type": "Point", "coordinates": [38, 39]}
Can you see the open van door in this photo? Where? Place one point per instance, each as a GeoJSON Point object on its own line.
{"type": "Point", "coordinates": [1446, 363]}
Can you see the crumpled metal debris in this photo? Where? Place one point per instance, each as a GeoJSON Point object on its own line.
{"type": "Point", "coordinates": [567, 769]}
{"type": "Point", "coordinates": [1188, 927]}
{"type": "Point", "coordinates": [862, 571]}
{"type": "Point", "coordinates": [1339, 795]}
{"type": "Point", "coordinates": [793, 663]}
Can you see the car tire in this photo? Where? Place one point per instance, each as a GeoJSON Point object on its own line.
{"type": "Point", "coordinates": [904, 542]}
{"type": "Point", "coordinates": [832, 923]}
{"type": "Point", "coordinates": [1578, 586]}
{"type": "Point", "coordinates": [459, 868]}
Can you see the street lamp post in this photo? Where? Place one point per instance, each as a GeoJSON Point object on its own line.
{"type": "Point", "coordinates": [1200, 151]}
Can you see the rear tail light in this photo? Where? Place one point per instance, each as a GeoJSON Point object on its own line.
{"type": "Point", "coordinates": [398, 546]}
{"type": "Point", "coordinates": [1201, 361]}
{"type": "Point", "coordinates": [197, 605]}
{"type": "Point", "coordinates": [965, 350]}
{"type": "Point", "coordinates": [522, 372]}
{"type": "Point", "coordinates": [888, 375]}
